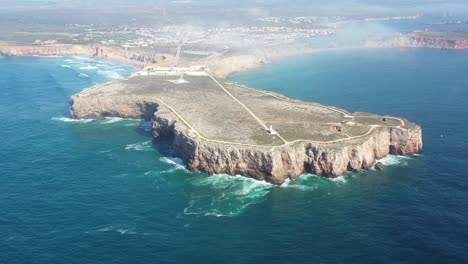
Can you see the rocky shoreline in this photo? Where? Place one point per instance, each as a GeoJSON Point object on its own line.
{"type": "Point", "coordinates": [271, 163]}
{"type": "Point", "coordinates": [456, 40]}
{"type": "Point", "coordinates": [133, 57]}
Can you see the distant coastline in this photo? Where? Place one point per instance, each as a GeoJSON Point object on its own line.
{"type": "Point", "coordinates": [224, 65]}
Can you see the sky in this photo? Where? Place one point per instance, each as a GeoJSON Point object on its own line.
{"type": "Point", "coordinates": [78, 11]}
{"type": "Point", "coordinates": [328, 6]}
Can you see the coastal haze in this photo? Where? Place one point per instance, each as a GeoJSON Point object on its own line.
{"type": "Point", "coordinates": [241, 132]}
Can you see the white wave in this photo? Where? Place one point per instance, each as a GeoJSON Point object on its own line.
{"type": "Point", "coordinates": [88, 67]}
{"type": "Point", "coordinates": [177, 162]}
{"type": "Point", "coordinates": [110, 74]}
{"type": "Point", "coordinates": [339, 179]}
{"type": "Point", "coordinates": [393, 160]}
{"type": "Point", "coordinates": [141, 146]}
{"type": "Point", "coordinates": [82, 58]}
{"type": "Point", "coordinates": [122, 231]}
{"type": "Point", "coordinates": [69, 120]}
{"type": "Point", "coordinates": [83, 75]}
{"type": "Point", "coordinates": [105, 229]}
{"type": "Point", "coordinates": [111, 120]}
{"type": "Point", "coordinates": [223, 195]}
{"type": "Point", "coordinates": [310, 182]}
{"type": "Point", "coordinates": [65, 66]}
{"type": "Point", "coordinates": [125, 231]}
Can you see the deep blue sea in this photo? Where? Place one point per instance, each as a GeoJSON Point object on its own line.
{"type": "Point", "coordinates": [100, 191]}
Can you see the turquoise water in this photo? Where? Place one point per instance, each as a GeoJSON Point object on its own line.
{"type": "Point", "coordinates": [100, 191]}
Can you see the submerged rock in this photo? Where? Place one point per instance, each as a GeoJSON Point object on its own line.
{"type": "Point", "coordinates": [379, 166]}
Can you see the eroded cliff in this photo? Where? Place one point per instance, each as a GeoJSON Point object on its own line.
{"type": "Point", "coordinates": [214, 133]}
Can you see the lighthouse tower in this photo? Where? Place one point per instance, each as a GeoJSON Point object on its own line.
{"type": "Point", "coordinates": [270, 129]}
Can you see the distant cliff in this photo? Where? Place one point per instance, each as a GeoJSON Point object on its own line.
{"type": "Point", "coordinates": [432, 39]}
{"type": "Point", "coordinates": [136, 57]}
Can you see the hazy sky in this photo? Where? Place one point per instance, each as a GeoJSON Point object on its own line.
{"type": "Point", "coordinates": [193, 10]}
{"type": "Point", "coordinates": [323, 5]}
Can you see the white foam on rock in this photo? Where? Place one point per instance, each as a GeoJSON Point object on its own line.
{"type": "Point", "coordinates": [310, 182]}
{"type": "Point", "coordinates": [393, 160]}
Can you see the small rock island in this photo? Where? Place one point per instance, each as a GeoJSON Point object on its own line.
{"type": "Point", "coordinates": [222, 127]}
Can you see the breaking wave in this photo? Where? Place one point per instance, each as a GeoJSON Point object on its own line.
{"type": "Point", "coordinates": [88, 67]}
{"type": "Point", "coordinates": [141, 146]}
{"type": "Point", "coordinates": [310, 182]}
{"type": "Point", "coordinates": [69, 120]}
{"type": "Point", "coordinates": [103, 121]}
{"type": "Point", "coordinates": [111, 120]}
{"type": "Point", "coordinates": [222, 195]}
{"type": "Point", "coordinates": [176, 162]}
{"type": "Point", "coordinates": [393, 160]}
{"type": "Point", "coordinates": [95, 69]}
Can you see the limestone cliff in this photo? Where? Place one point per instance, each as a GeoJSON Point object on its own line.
{"type": "Point", "coordinates": [432, 39]}
{"type": "Point", "coordinates": [273, 164]}
{"type": "Point", "coordinates": [132, 56]}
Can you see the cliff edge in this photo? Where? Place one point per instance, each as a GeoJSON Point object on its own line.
{"type": "Point", "coordinates": [223, 127]}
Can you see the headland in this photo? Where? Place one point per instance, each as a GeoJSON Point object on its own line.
{"type": "Point", "coordinates": [223, 127]}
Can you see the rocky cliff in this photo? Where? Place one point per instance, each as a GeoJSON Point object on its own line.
{"type": "Point", "coordinates": [433, 39]}
{"type": "Point", "coordinates": [132, 56]}
{"type": "Point", "coordinates": [274, 163]}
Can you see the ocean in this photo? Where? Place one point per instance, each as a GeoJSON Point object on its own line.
{"type": "Point", "coordinates": [101, 191]}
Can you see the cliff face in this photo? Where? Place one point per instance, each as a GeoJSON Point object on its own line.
{"type": "Point", "coordinates": [273, 164]}
{"type": "Point", "coordinates": [422, 41]}
{"type": "Point", "coordinates": [136, 57]}
{"type": "Point", "coordinates": [277, 164]}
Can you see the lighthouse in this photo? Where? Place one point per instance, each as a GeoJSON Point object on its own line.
{"type": "Point", "coordinates": [270, 128]}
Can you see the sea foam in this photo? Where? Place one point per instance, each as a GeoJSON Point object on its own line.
{"type": "Point", "coordinates": [310, 182]}
{"type": "Point", "coordinates": [176, 162]}
{"type": "Point", "coordinates": [393, 160]}
{"type": "Point", "coordinates": [223, 195]}
{"type": "Point", "coordinates": [141, 146]}
{"type": "Point", "coordinates": [88, 67]}
{"type": "Point", "coordinates": [69, 120]}
{"type": "Point", "coordinates": [111, 120]}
